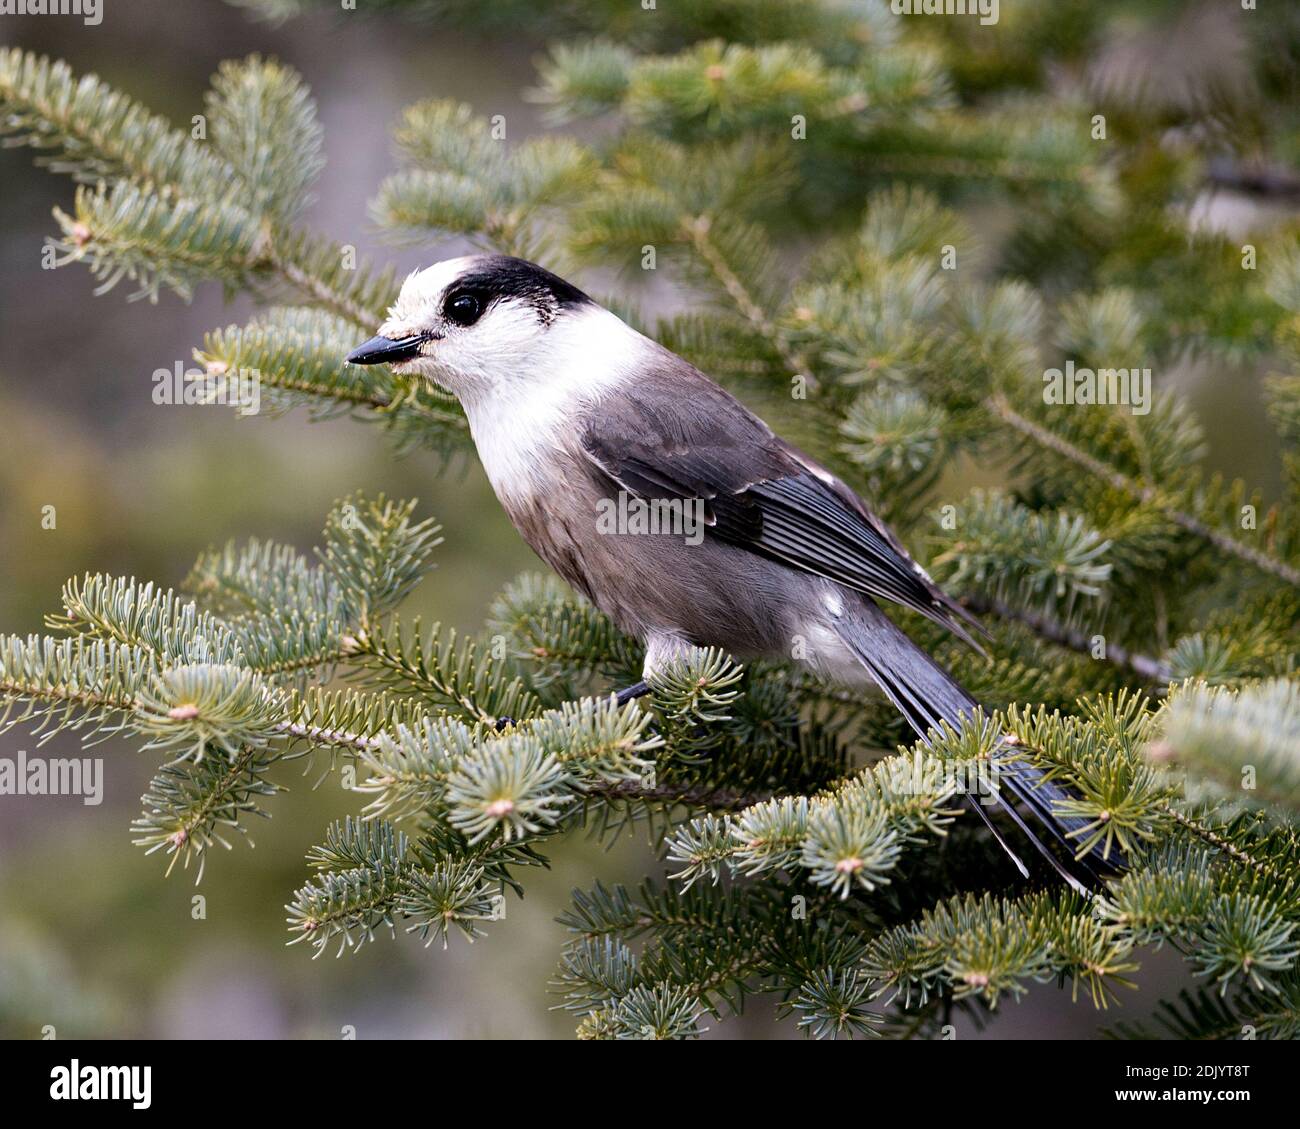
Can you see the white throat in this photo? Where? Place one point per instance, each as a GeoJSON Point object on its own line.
{"type": "Point", "coordinates": [522, 416]}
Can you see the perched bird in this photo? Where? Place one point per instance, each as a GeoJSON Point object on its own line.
{"type": "Point", "coordinates": [571, 410]}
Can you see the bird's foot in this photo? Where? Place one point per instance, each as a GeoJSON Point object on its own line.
{"type": "Point", "coordinates": [636, 690]}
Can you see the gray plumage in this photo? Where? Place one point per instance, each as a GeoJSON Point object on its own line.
{"type": "Point", "coordinates": [574, 413]}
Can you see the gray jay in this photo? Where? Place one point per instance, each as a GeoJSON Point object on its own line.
{"type": "Point", "coordinates": [572, 410]}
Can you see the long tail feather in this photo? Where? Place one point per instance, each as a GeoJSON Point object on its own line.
{"type": "Point", "coordinates": [927, 696]}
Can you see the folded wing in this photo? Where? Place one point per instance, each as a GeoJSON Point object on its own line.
{"type": "Point", "coordinates": [759, 492]}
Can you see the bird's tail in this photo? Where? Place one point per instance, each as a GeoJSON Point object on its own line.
{"type": "Point", "coordinates": [927, 695]}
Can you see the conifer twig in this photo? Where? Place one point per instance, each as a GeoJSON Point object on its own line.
{"type": "Point", "coordinates": [1153, 670]}
{"type": "Point", "coordinates": [697, 231]}
{"type": "Point", "coordinates": [1220, 843]}
{"type": "Point", "coordinates": [1148, 495]}
{"type": "Point", "coordinates": [335, 737]}
{"type": "Point", "coordinates": [316, 290]}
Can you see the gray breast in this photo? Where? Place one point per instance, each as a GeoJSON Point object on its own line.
{"type": "Point", "coordinates": [664, 574]}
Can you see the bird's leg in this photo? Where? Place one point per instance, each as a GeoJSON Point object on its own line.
{"type": "Point", "coordinates": [622, 697]}
{"type": "Point", "coordinates": [636, 690]}
{"type": "Point", "coordinates": [661, 649]}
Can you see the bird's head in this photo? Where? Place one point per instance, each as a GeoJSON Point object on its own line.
{"type": "Point", "coordinates": [475, 323]}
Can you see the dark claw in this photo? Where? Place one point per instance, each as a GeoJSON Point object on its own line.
{"type": "Point", "coordinates": [628, 693]}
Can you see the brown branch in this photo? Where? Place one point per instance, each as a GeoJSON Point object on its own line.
{"type": "Point", "coordinates": [696, 229]}
{"type": "Point", "coordinates": [1148, 495]}
{"type": "Point", "coordinates": [337, 737]}
{"type": "Point", "coordinates": [318, 291]}
{"type": "Point", "coordinates": [1230, 849]}
{"type": "Point", "coordinates": [1153, 670]}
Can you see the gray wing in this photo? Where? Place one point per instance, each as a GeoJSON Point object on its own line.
{"type": "Point", "coordinates": [677, 435]}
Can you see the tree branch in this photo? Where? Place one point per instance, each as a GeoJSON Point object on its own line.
{"type": "Point", "coordinates": [1153, 670]}
{"type": "Point", "coordinates": [697, 231]}
{"type": "Point", "coordinates": [319, 292]}
{"type": "Point", "coordinates": [1148, 495]}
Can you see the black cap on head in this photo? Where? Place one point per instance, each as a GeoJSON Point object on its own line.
{"type": "Point", "coordinates": [493, 277]}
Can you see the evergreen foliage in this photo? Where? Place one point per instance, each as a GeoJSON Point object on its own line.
{"type": "Point", "coordinates": [1144, 613]}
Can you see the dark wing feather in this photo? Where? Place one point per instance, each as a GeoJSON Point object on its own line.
{"type": "Point", "coordinates": [677, 435]}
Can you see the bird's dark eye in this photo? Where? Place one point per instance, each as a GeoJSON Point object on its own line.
{"type": "Point", "coordinates": [463, 309]}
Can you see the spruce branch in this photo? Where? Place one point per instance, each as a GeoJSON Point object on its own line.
{"type": "Point", "coordinates": [1048, 563]}
{"type": "Point", "coordinates": [82, 684]}
{"type": "Point", "coordinates": [296, 356]}
{"type": "Point", "coordinates": [463, 678]}
{"type": "Point", "coordinates": [1148, 495]}
{"type": "Point", "coordinates": [1150, 669]}
{"type": "Point", "coordinates": [1206, 1015]}
{"type": "Point", "coordinates": [850, 839]}
{"type": "Point", "coordinates": [85, 128]}
{"type": "Point", "coordinates": [1246, 739]}
{"type": "Point", "coordinates": [191, 807]}
{"type": "Point", "coordinates": [462, 178]}
{"type": "Point", "coordinates": [698, 230]}
{"type": "Point", "coordinates": [263, 121]}
{"type": "Point", "coordinates": [161, 212]}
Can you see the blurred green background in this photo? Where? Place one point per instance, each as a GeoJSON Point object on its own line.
{"type": "Point", "coordinates": [93, 940]}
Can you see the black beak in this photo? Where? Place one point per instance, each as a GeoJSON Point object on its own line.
{"type": "Point", "coordinates": [386, 351]}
